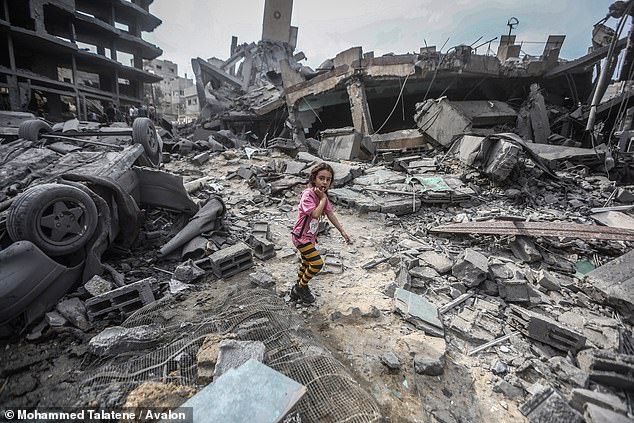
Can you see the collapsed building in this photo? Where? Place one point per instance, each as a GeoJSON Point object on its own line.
{"type": "Point", "coordinates": [61, 58]}
{"type": "Point", "coordinates": [491, 207]}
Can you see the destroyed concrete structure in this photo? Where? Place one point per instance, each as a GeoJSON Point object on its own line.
{"type": "Point", "coordinates": [75, 57]}
{"type": "Point", "coordinates": [489, 278]}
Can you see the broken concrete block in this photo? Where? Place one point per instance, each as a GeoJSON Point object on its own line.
{"type": "Point", "coordinates": [612, 369]}
{"type": "Point", "coordinates": [568, 373]}
{"type": "Point", "coordinates": [596, 414]}
{"type": "Point", "coordinates": [187, 272]}
{"type": "Point", "coordinates": [403, 280]}
{"type": "Point", "coordinates": [510, 391]}
{"type": "Point", "coordinates": [123, 300]}
{"type": "Point", "coordinates": [476, 326]}
{"type": "Point", "coordinates": [429, 366]}
{"type": "Point", "coordinates": [262, 247]}
{"type": "Point", "coordinates": [399, 205]}
{"type": "Point", "coordinates": [613, 283]}
{"type": "Point", "coordinates": [546, 330]}
{"type": "Point", "coordinates": [261, 279]}
{"type": "Point", "coordinates": [74, 310]}
{"type": "Point", "coordinates": [245, 173]}
{"type": "Point", "coordinates": [54, 319]}
{"type": "Point", "coordinates": [439, 262]}
{"type": "Point", "coordinates": [419, 312]}
{"type": "Point", "coordinates": [490, 287]}
{"type": "Point", "coordinates": [501, 159]}
{"type": "Point", "coordinates": [232, 260]}
{"type": "Point", "coordinates": [206, 358]}
{"type": "Point", "coordinates": [472, 269]}
{"type": "Point", "coordinates": [525, 250]}
{"type": "Point", "coordinates": [513, 290]}
{"type": "Point", "coordinates": [201, 159]}
{"type": "Point", "coordinates": [97, 286]}
{"type": "Point", "coordinates": [261, 230]}
{"type": "Point", "coordinates": [580, 397]}
{"type": "Point", "coordinates": [440, 120]}
{"type": "Point", "coordinates": [340, 144]}
{"type": "Point", "coordinates": [427, 274]}
{"type": "Point", "coordinates": [117, 340]}
{"type": "Point", "coordinates": [391, 360]}
{"type": "Point", "coordinates": [499, 368]}
{"type": "Point", "coordinates": [233, 354]}
{"type": "Point", "coordinates": [548, 281]}
{"type": "Point", "coordinates": [332, 264]}
{"type": "Point", "coordinates": [624, 196]}
{"type": "Point", "coordinates": [548, 406]}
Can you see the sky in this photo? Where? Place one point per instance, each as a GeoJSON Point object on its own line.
{"type": "Point", "coordinates": [203, 28]}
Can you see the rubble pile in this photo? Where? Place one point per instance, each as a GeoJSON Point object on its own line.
{"type": "Point", "coordinates": [492, 237]}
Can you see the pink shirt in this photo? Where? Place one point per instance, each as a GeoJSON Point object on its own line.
{"type": "Point", "coordinates": [306, 227]}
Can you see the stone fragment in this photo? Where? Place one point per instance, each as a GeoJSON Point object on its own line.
{"type": "Point", "coordinates": [403, 280]}
{"type": "Point", "coordinates": [391, 360]}
{"type": "Point", "coordinates": [187, 272]}
{"type": "Point", "coordinates": [262, 279]}
{"type": "Point", "coordinates": [513, 290]}
{"type": "Point", "coordinates": [117, 340]}
{"type": "Point", "coordinates": [499, 368]}
{"type": "Point", "coordinates": [568, 373]}
{"type": "Point", "coordinates": [472, 269]}
{"type": "Point", "coordinates": [440, 263]}
{"type": "Point", "coordinates": [548, 406]}
{"type": "Point", "coordinates": [596, 414]}
{"type": "Point", "coordinates": [235, 353]}
{"type": "Point", "coordinates": [427, 274]}
{"type": "Point", "coordinates": [201, 159]}
{"type": "Point", "coordinates": [510, 391]}
{"type": "Point", "coordinates": [548, 281]}
{"type": "Point", "coordinates": [546, 330]}
{"type": "Point", "coordinates": [429, 366]}
{"type": "Point", "coordinates": [74, 310]}
{"type": "Point", "coordinates": [579, 397]}
{"type": "Point", "coordinates": [524, 249]}
{"type": "Point", "coordinates": [54, 319]}
{"type": "Point", "coordinates": [97, 286]}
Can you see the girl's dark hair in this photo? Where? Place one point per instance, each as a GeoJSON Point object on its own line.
{"type": "Point", "coordinates": [321, 166]}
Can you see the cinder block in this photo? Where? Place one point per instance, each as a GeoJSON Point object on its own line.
{"type": "Point", "coordinates": [124, 300]}
{"type": "Point", "coordinates": [261, 230]}
{"type": "Point", "coordinates": [401, 206]}
{"type": "Point", "coordinates": [545, 330]}
{"type": "Point", "coordinates": [262, 247]}
{"type": "Point", "coordinates": [513, 290]}
{"type": "Point", "coordinates": [229, 261]}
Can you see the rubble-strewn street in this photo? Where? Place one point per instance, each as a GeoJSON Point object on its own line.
{"type": "Point", "coordinates": [147, 263]}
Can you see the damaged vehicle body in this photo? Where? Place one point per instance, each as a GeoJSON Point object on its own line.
{"type": "Point", "coordinates": [62, 206]}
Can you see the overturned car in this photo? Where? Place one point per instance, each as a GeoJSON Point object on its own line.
{"type": "Point", "coordinates": [67, 194]}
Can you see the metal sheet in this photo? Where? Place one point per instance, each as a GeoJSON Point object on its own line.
{"type": "Point", "coordinates": [535, 229]}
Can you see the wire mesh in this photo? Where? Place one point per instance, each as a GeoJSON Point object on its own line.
{"type": "Point", "coordinates": [257, 315]}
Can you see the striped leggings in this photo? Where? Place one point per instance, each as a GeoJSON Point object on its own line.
{"type": "Point", "coordinates": [311, 263]}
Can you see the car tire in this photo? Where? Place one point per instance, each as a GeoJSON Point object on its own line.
{"type": "Point", "coordinates": [31, 129]}
{"type": "Point", "coordinates": [144, 133]}
{"type": "Point", "coordinates": [59, 219]}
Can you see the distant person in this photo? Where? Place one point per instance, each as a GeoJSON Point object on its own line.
{"type": "Point", "coordinates": [142, 111]}
{"type": "Point", "coordinates": [313, 204]}
{"type": "Point", "coordinates": [110, 113]}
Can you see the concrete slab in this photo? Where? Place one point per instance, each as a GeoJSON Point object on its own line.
{"type": "Point", "coordinates": [340, 145]}
{"type": "Point", "coordinates": [252, 392]}
{"type": "Point", "coordinates": [613, 283]}
{"type": "Point", "coordinates": [418, 311]}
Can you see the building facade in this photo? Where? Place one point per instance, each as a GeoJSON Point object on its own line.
{"type": "Point", "coordinates": [168, 95]}
{"type": "Point", "coordinates": [64, 58]}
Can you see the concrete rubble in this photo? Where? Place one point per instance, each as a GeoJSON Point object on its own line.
{"type": "Point", "coordinates": [492, 235]}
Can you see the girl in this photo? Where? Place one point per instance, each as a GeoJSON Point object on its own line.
{"type": "Point", "coordinates": [312, 205]}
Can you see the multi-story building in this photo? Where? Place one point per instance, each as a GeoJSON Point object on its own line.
{"type": "Point", "coordinates": [168, 95]}
{"type": "Point", "coordinates": [64, 57]}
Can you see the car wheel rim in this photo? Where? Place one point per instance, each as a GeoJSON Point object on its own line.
{"type": "Point", "coordinates": [151, 137]}
{"type": "Point", "coordinates": [62, 222]}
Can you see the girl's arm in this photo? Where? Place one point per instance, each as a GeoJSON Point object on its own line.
{"type": "Point", "coordinates": [319, 210]}
{"type": "Point", "coordinates": [335, 221]}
